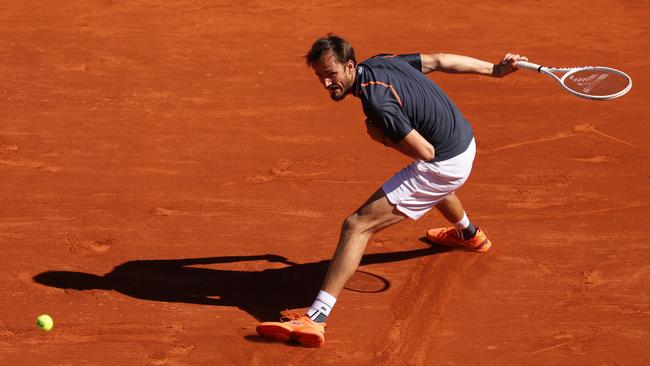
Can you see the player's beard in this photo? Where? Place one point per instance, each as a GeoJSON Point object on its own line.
{"type": "Point", "coordinates": [339, 92]}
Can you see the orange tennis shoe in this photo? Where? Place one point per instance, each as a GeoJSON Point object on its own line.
{"type": "Point", "coordinates": [450, 236]}
{"type": "Point", "coordinates": [294, 326]}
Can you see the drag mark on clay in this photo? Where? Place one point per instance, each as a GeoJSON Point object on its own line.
{"type": "Point", "coordinates": [558, 136]}
{"type": "Point", "coordinates": [39, 165]}
{"type": "Point", "coordinates": [618, 208]}
{"type": "Point", "coordinates": [563, 214]}
{"type": "Point", "coordinates": [421, 300]}
{"type": "Point", "coordinates": [550, 348]}
{"type": "Point", "coordinates": [169, 353]}
{"type": "Point", "coordinates": [306, 213]}
{"type": "Point", "coordinates": [577, 129]}
{"type": "Point", "coordinates": [575, 345]}
{"type": "Point", "coordinates": [8, 147]}
{"type": "Point", "coordinates": [88, 247]}
{"type": "Point", "coordinates": [576, 348]}
{"type": "Point", "coordinates": [589, 128]}
{"type": "Point", "coordinates": [283, 169]}
{"type": "Point", "coordinates": [150, 170]}
{"type": "Point", "coordinates": [595, 159]}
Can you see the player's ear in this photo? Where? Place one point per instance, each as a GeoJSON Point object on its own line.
{"type": "Point", "coordinates": [349, 66]}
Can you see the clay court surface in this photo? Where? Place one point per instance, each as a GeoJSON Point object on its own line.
{"type": "Point", "coordinates": [172, 174]}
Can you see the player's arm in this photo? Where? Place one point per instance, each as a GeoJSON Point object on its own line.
{"type": "Point", "coordinates": [412, 145]}
{"type": "Point", "coordinates": [459, 64]}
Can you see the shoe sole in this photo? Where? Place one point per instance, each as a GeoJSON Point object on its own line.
{"type": "Point", "coordinates": [274, 331]}
{"type": "Point", "coordinates": [308, 339]}
{"type": "Point", "coordinates": [481, 248]}
{"type": "Point", "coordinates": [281, 333]}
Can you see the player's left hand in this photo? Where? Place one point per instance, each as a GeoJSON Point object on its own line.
{"type": "Point", "coordinates": [507, 64]}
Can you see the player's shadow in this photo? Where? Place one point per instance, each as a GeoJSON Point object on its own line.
{"type": "Point", "coordinates": [263, 294]}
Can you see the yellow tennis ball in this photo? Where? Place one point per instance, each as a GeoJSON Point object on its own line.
{"type": "Point", "coordinates": [45, 322]}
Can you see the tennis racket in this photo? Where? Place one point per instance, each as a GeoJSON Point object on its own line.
{"type": "Point", "coordinates": [591, 82]}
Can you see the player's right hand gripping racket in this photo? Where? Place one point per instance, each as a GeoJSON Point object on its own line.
{"type": "Point", "coordinates": [591, 82]}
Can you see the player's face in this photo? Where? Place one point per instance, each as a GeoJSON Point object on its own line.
{"type": "Point", "coordinates": [337, 78]}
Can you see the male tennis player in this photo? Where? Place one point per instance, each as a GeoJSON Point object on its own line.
{"type": "Point", "coordinates": [408, 112]}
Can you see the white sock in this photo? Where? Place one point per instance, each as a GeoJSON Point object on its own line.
{"type": "Point", "coordinates": [321, 307]}
{"type": "Point", "coordinates": [463, 223]}
{"type": "Point", "coordinates": [465, 227]}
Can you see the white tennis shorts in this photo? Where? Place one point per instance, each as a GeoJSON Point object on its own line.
{"type": "Point", "coordinates": [418, 187]}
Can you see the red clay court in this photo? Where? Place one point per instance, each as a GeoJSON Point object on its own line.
{"type": "Point", "coordinates": [172, 174]}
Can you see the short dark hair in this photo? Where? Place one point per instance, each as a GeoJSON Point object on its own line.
{"type": "Point", "coordinates": [341, 48]}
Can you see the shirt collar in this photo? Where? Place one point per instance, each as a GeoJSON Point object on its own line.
{"type": "Point", "coordinates": [356, 88]}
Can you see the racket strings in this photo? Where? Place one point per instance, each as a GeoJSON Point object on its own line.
{"type": "Point", "coordinates": [596, 82]}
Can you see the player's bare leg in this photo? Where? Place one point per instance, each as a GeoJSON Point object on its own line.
{"type": "Point", "coordinates": [451, 208]}
{"type": "Point", "coordinates": [375, 214]}
{"type": "Point", "coordinates": [464, 234]}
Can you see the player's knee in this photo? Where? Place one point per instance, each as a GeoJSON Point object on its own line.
{"type": "Point", "coordinates": [349, 223]}
{"type": "Point", "coordinates": [356, 223]}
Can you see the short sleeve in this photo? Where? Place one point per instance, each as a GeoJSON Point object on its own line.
{"type": "Point", "coordinates": [413, 59]}
{"type": "Point", "coordinates": [383, 107]}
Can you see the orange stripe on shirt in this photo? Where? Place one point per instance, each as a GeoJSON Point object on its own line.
{"type": "Point", "coordinates": [399, 100]}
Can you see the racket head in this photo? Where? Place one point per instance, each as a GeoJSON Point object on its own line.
{"type": "Point", "coordinates": [596, 82]}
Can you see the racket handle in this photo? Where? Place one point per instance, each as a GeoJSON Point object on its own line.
{"type": "Point", "coordinates": [528, 65]}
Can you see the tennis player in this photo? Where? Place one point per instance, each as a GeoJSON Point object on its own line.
{"type": "Point", "coordinates": [408, 112]}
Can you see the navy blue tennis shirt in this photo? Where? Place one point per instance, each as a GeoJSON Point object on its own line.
{"type": "Point", "coordinates": [396, 95]}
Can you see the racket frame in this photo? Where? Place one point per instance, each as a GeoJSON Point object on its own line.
{"type": "Point", "coordinates": [568, 71]}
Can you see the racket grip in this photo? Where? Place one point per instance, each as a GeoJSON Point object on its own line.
{"type": "Point", "coordinates": [528, 65]}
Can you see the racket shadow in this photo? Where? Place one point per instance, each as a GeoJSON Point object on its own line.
{"type": "Point", "coordinates": [262, 294]}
